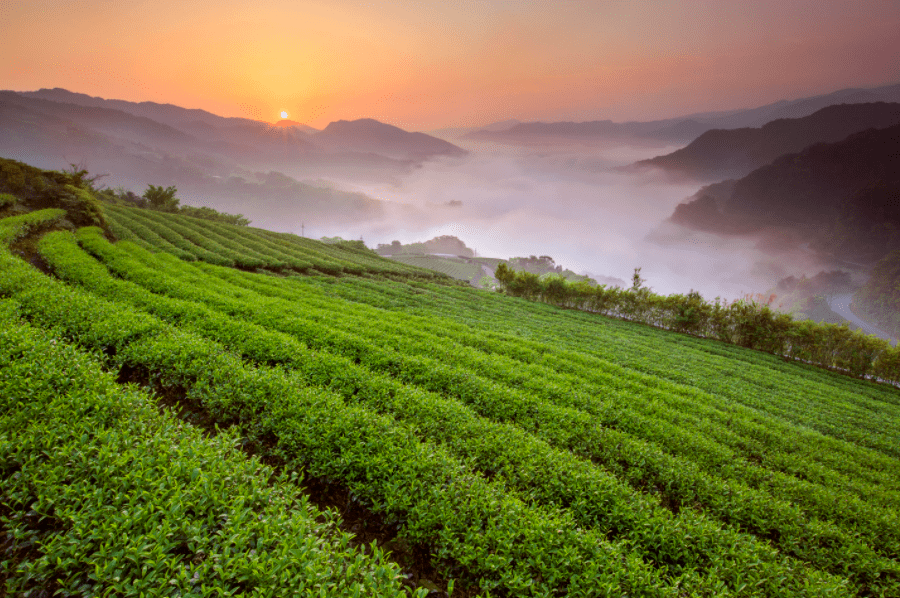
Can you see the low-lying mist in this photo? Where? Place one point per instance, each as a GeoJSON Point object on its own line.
{"type": "Point", "coordinates": [568, 202]}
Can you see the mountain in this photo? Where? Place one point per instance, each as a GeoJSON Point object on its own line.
{"type": "Point", "coordinates": [233, 165]}
{"type": "Point", "coordinates": [286, 123]}
{"type": "Point", "coordinates": [169, 114]}
{"type": "Point", "coordinates": [839, 196]}
{"type": "Point", "coordinates": [688, 127]}
{"type": "Point", "coordinates": [342, 143]}
{"type": "Point", "coordinates": [369, 135]}
{"type": "Point", "coordinates": [720, 153]}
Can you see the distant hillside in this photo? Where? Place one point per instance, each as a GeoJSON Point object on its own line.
{"type": "Point", "coordinates": [449, 255]}
{"type": "Point", "coordinates": [286, 123]}
{"type": "Point", "coordinates": [720, 154]}
{"type": "Point", "coordinates": [445, 244]}
{"type": "Point", "coordinates": [838, 194]}
{"type": "Point", "coordinates": [368, 135]}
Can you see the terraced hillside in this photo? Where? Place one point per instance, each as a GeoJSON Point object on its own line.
{"type": "Point", "coordinates": [492, 445]}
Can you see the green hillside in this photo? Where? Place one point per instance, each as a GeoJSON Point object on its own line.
{"type": "Point", "coordinates": [180, 399]}
{"type": "Point", "coordinates": [457, 268]}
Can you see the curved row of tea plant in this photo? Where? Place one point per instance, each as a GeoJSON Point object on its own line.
{"type": "Point", "coordinates": [297, 290]}
{"type": "Point", "coordinates": [785, 522]}
{"type": "Point", "coordinates": [318, 335]}
{"type": "Point", "coordinates": [487, 528]}
{"type": "Point", "coordinates": [592, 496]}
{"type": "Point", "coordinates": [225, 244]}
{"type": "Point", "coordinates": [160, 236]}
{"type": "Point", "coordinates": [193, 230]}
{"type": "Point", "coordinates": [644, 350]}
{"type": "Point", "coordinates": [103, 494]}
{"type": "Point", "coordinates": [16, 227]}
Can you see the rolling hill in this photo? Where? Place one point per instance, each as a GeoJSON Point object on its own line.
{"type": "Point", "coordinates": [733, 153]}
{"type": "Point", "coordinates": [156, 368]}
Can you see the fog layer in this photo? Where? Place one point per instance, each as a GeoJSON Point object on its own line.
{"type": "Point", "coordinates": [566, 201]}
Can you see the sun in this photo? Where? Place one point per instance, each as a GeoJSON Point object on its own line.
{"type": "Point", "coordinates": [284, 114]}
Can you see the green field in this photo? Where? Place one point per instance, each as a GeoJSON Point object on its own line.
{"type": "Point", "coordinates": [493, 445]}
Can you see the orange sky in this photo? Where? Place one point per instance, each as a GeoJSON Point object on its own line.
{"type": "Point", "coordinates": [429, 64]}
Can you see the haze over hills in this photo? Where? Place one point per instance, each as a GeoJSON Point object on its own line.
{"type": "Point", "coordinates": [733, 153]}
{"type": "Point", "coordinates": [840, 195]}
{"type": "Point", "coordinates": [542, 197]}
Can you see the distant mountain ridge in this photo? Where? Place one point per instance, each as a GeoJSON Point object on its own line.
{"type": "Point", "coordinates": [366, 136]}
{"type": "Point", "coordinates": [733, 153]}
{"type": "Point", "coordinates": [236, 165]}
{"type": "Point", "coordinates": [169, 114]}
{"type": "Point", "coordinates": [369, 135]}
{"type": "Point", "coordinates": [688, 127]}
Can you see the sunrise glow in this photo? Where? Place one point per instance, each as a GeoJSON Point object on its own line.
{"type": "Point", "coordinates": [453, 64]}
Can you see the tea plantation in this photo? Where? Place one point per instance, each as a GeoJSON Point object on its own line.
{"type": "Point", "coordinates": [189, 407]}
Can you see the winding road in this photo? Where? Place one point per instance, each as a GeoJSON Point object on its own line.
{"type": "Point", "coordinates": [840, 304]}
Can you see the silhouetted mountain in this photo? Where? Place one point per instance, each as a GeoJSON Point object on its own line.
{"type": "Point", "coordinates": [673, 129]}
{"type": "Point", "coordinates": [840, 195]}
{"type": "Point", "coordinates": [503, 125]}
{"type": "Point", "coordinates": [369, 135]}
{"type": "Point", "coordinates": [733, 153]}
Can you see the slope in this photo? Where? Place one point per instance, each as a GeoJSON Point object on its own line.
{"type": "Point", "coordinates": [528, 450]}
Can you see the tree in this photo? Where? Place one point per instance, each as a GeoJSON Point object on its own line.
{"type": "Point", "coordinates": [162, 199]}
{"type": "Point", "coordinates": [636, 281]}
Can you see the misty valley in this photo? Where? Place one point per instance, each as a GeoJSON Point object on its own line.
{"type": "Point", "coordinates": [727, 204]}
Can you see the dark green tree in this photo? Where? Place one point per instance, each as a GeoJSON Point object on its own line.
{"type": "Point", "coordinates": [162, 198]}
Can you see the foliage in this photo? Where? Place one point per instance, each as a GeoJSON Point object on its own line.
{"type": "Point", "coordinates": [445, 244]}
{"type": "Point", "coordinates": [879, 298]}
{"type": "Point", "coordinates": [38, 189]}
{"type": "Point", "coordinates": [16, 227]}
{"type": "Point", "coordinates": [162, 198]}
{"type": "Point", "coordinates": [207, 213]}
{"type": "Point", "coordinates": [113, 497]}
{"type": "Point", "coordinates": [749, 322]}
